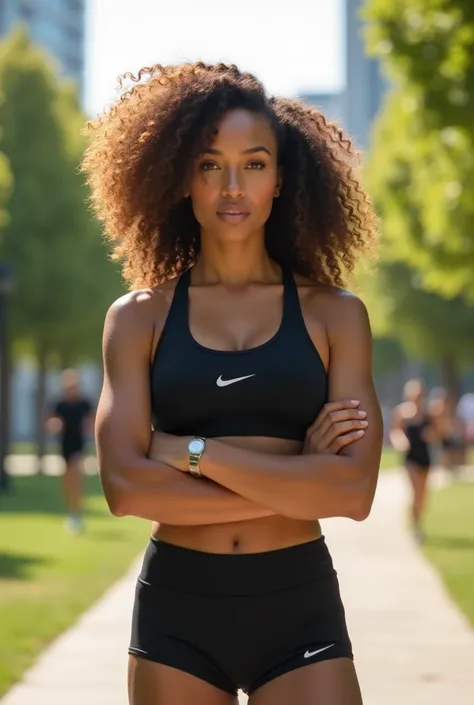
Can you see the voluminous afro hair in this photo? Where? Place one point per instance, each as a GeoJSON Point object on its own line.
{"type": "Point", "coordinates": [141, 155]}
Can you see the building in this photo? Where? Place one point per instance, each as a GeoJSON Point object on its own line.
{"type": "Point", "coordinates": [365, 85]}
{"type": "Point", "coordinates": [57, 25]}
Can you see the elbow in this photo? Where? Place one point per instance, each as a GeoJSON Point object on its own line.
{"type": "Point", "coordinates": [114, 492]}
{"type": "Point", "coordinates": [361, 502]}
{"type": "Point", "coordinates": [360, 511]}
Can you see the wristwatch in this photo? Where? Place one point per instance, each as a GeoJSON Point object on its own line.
{"type": "Point", "coordinates": [196, 448]}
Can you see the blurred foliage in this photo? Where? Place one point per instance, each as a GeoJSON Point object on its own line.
{"type": "Point", "coordinates": [422, 160]}
{"type": "Point", "coordinates": [63, 276]}
{"type": "Point", "coordinates": [401, 302]}
{"type": "Point", "coordinates": [427, 326]}
{"type": "Point", "coordinates": [6, 185]}
{"type": "Point", "coordinates": [428, 44]}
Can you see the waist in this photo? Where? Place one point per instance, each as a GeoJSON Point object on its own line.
{"type": "Point", "coordinates": [182, 569]}
{"type": "Point", "coordinates": [243, 537]}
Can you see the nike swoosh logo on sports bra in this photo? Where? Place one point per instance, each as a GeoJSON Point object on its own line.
{"type": "Point", "coordinates": [225, 382]}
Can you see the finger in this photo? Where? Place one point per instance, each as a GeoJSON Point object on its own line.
{"type": "Point", "coordinates": [336, 417]}
{"type": "Point", "coordinates": [330, 408]}
{"type": "Point", "coordinates": [343, 441]}
{"type": "Point", "coordinates": [339, 429]}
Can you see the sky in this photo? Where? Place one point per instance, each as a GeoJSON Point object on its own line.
{"type": "Point", "coordinates": [294, 46]}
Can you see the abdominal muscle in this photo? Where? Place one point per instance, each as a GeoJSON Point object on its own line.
{"type": "Point", "coordinates": [252, 536]}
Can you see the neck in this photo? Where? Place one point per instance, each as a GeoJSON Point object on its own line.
{"type": "Point", "coordinates": [235, 264]}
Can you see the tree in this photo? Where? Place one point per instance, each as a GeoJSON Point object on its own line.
{"type": "Point", "coordinates": [427, 129]}
{"type": "Point", "coordinates": [49, 237]}
{"type": "Point", "coordinates": [428, 326]}
{"type": "Point", "coordinates": [428, 44]}
{"type": "Point", "coordinates": [6, 184]}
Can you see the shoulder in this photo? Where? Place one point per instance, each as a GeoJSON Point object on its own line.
{"type": "Point", "coordinates": [134, 322]}
{"type": "Point", "coordinates": [140, 308]}
{"type": "Point", "coordinates": [343, 313]}
{"type": "Point", "coordinates": [403, 411]}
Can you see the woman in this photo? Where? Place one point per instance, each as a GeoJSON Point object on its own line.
{"type": "Point", "coordinates": [237, 216]}
{"type": "Point", "coordinates": [412, 433]}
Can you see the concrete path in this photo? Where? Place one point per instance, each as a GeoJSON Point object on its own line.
{"type": "Point", "coordinates": [412, 645]}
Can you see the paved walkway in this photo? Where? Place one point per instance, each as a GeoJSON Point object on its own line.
{"type": "Point", "coordinates": [412, 645]}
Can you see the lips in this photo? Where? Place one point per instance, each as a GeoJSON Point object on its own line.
{"type": "Point", "coordinates": [232, 213]}
{"type": "Point", "coordinates": [231, 210]}
{"type": "Point", "coordinates": [232, 217]}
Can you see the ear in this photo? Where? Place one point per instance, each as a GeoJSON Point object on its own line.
{"type": "Point", "coordinates": [279, 183]}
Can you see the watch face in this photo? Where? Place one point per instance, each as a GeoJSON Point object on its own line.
{"type": "Point", "coordinates": [196, 446]}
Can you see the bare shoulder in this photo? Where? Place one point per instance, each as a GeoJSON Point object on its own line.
{"type": "Point", "coordinates": [339, 309]}
{"type": "Point", "coordinates": [142, 308]}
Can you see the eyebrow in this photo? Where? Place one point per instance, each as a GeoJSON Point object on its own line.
{"type": "Point", "coordinates": [252, 150]}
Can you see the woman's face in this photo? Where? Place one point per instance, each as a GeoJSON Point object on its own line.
{"type": "Point", "coordinates": [234, 183]}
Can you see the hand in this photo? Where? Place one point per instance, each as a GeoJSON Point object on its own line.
{"type": "Point", "coordinates": [54, 425]}
{"type": "Point", "coordinates": [169, 449]}
{"type": "Point", "coordinates": [339, 423]}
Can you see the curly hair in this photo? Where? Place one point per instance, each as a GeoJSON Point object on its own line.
{"type": "Point", "coordinates": [142, 151]}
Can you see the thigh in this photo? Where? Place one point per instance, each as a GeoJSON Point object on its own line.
{"type": "Point", "coordinates": [418, 475]}
{"type": "Point", "coordinates": [152, 683]}
{"type": "Point", "coordinates": [74, 461]}
{"type": "Point", "coordinates": [331, 682]}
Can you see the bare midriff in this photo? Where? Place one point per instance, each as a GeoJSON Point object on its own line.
{"type": "Point", "coordinates": [252, 536]}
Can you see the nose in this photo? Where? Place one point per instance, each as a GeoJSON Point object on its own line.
{"type": "Point", "coordinates": [232, 186]}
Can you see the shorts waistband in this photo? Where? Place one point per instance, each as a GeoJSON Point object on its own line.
{"type": "Point", "coordinates": [166, 565]}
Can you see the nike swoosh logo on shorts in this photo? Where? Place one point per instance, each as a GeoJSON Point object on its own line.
{"type": "Point", "coordinates": [308, 654]}
{"type": "Point", "coordinates": [225, 382]}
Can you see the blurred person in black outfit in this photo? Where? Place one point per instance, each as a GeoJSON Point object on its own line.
{"type": "Point", "coordinates": [72, 419]}
{"type": "Point", "coordinates": [412, 433]}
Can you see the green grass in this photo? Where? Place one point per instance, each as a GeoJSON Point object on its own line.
{"type": "Point", "coordinates": [29, 448]}
{"type": "Point", "coordinates": [390, 459]}
{"type": "Point", "coordinates": [449, 546]}
{"type": "Point", "coordinates": [47, 576]}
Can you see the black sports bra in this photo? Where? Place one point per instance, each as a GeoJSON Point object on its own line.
{"type": "Point", "coordinates": [275, 389]}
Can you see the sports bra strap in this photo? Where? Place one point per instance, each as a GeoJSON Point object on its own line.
{"type": "Point", "coordinates": [292, 314]}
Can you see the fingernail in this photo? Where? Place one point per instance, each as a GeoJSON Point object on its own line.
{"type": "Point", "coordinates": [362, 413]}
{"type": "Point", "coordinates": [364, 423]}
{"type": "Point", "coordinates": [359, 433]}
{"type": "Point", "coordinates": [355, 401]}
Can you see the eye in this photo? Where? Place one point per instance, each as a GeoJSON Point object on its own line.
{"type": "Point", "coordinates": [209, 166]}
{"type": "Point", "coordinates": [256, 165]}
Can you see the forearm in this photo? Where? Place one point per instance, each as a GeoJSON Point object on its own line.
{"type": "Point", "coordinates": [300, 486]}
{"type": "Point", "coordinates": [151, 490]}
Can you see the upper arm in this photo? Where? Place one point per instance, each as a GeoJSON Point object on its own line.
{"type": "Point", "coordinates": [123, 418]}
{"type": "Point", "coordinates": [350, 377]}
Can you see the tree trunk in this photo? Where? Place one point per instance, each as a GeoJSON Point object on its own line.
{"type": "Point", "coordinates": [41, 359]}
{"type": "Point", "coordinates": [451, 376]}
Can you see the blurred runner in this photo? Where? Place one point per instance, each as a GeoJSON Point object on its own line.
{"type": "Point", "coordinates": [72, 419]}
{"type": "Point", "coordinates": [411, 433]}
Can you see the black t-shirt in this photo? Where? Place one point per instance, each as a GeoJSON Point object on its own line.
{"type": "Point", "coordinates": [73, 415]}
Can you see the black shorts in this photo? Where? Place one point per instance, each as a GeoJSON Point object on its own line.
{"type": "Point", "coordinates": [419, 458]}
{"type": "Point", "coordinates": [69, 450]}
{"type": "Point", "coordinates": [238, 621]}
